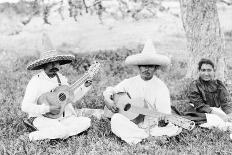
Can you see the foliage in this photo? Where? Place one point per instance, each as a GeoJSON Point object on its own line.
{"type": "Point", "coordinates": [117, 9]}
{"type": "Point", "coordinates": [98, 139]}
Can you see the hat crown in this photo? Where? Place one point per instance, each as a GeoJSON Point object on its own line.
{"type": "Point", "coordinates": [148, 47]}
{"type": "Point", "coordinates": [148, 56]}
{"type": "Point", "coordinates": [47, 48]}
{"type": "Point", "coordinates": [49, 54]}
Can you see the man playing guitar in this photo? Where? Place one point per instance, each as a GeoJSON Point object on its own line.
{"type": "Point", "coordinates": [151, 89]}
{"type": "Point", "coordinates": [49, 78]}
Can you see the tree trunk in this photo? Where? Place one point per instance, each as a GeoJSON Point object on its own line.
{"type": "Point", "coordinates": [204, 36]}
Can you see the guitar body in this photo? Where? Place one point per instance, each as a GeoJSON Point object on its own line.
{"type": "Point", "coordinates": [124, 102]}
{"type": "Point", "coordinates": [131, 108]}
{"type": "Point", "coordinates": [60, 97]}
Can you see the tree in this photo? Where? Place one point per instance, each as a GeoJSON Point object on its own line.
{"type": "Point", "coordinates": [200, 21]}
{"type": "Point", "coordinates": [204, 36]}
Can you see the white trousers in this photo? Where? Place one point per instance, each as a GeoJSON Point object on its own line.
{"type": "Point", "coordinates": [215, 121]}
{"type": "Point", "coordinates": [59, 128]}
{"type": "Point", "coordinates": [132, 134]}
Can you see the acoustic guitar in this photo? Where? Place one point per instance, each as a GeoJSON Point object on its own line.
{"type": "Point", "coordinates": [62, 95]}
{"type": "Point", "coordinates": [132, 108]}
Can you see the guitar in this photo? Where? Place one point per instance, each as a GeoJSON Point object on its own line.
{"type": "Point", "coordinates": [62, 95]}
{"type": "Point", "coordinates": [132, 108]}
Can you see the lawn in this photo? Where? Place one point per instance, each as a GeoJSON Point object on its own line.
{"type": "Point", "coordinates": [99, 139]}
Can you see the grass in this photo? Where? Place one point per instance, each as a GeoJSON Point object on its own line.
{"type": "Point", "coordinates": [99, 139]}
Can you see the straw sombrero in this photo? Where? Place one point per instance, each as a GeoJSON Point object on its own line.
{"type": "Point", "coordinates": [49, 54]}
{"type": "Point", "coordinates": [148, 56]}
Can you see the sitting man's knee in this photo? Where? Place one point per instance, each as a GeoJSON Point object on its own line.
{"type": "Point", "coordinates": [87, 122]}
{"type": "Point", "coordinates": [116, 117]}
{"type": "Point", "coordinates": [84, 121]}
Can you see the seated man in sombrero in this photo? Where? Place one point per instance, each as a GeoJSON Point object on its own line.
{"type": "Point", "coordinates": [68, 123]}
{"type": "Point", "coordinates": [149, 87]}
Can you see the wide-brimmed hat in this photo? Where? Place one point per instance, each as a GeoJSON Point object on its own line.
{"type": "Point", "coordinates": [49, 54]}
{"type": "Point", "coordinates": [148, 56]}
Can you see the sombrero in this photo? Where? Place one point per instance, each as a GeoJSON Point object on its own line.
{"type": "Point", "coordinates": [148, 56]}
{"type": "Point", "coordinates": [49, 54]}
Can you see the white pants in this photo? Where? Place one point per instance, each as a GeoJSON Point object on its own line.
{"type": "Point", "coordinates": [215, 121]}
{"type": "Point", "coordinates": [132, 134]}
{"type": "Point", "coordinates": [59, 128]}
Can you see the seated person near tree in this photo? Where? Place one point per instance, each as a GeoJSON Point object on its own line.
{"type": "Point", "coordinates": [210, 96]}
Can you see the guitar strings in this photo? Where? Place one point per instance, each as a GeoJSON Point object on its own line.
{"type": "Point", "coordinates": [83, 78]}
{"type": "Point", "coordinates": [79, 82]}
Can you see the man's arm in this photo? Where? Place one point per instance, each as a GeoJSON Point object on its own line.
{"type": "Point", "coordinates": [226, 102]}
{"type": "Point", "coordinates": [196, 98]}
{"type": "Point", "coordinates": [29, 104]}
{"type": "Point", "coordinates": [110, 91]}
{"type": "Point", "coordinates": [163, 102]}
{"type": "Point", "coordinates": [225, 99]}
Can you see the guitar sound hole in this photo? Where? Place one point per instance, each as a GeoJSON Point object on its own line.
{"type": "Point", "coordinates": [127, 107]}
{"type": "Point", "coordinates": [62, 96]}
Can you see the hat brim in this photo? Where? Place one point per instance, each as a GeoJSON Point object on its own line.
{"type": "Point", "coordinates": [147, 59]}
{"type": "Point", "coordinates": [62, 59]}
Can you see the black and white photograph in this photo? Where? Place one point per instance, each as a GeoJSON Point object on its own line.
{"type": "Point", "coordinates": [115, 77]}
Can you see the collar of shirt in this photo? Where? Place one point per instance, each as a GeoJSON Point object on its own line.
{"type": "Point", "coordinates": [209, 86]}
{"type": "Point", "coordinates": [148, 82]}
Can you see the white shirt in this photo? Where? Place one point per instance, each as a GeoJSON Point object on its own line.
{"type": "Point", "coordinates": [41, 83]}
{"type": "Point", "coordinates": [154, 91]}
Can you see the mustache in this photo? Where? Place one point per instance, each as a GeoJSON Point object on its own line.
{"type": "Point", "coordinates": [54, 69]}
{"type": "Point", "coordinates": [145, 72]}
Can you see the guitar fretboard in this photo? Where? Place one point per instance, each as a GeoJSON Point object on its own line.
{"type": "Point", "coordinates": [177, 120]}
{"type": "Point", "coordinates": [79, 82]}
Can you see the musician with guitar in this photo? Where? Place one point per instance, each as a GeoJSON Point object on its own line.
{"type": "Point", "coordinates": [150, 89]}
{"type": "Point", "coordinates": [48, 97]}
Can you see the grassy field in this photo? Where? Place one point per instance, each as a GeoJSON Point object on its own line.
{"type": "Point", "coordinates": [19, 44]}
{"type": "Point", "coordinates": [99, 139]}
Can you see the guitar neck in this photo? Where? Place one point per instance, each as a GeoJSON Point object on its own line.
{"type": "Point", "coordinates": [177, 120]}
{"type": "Point", "coordinates": [93, 69]}
{"type": "Point", "coordinates": [79, 82]}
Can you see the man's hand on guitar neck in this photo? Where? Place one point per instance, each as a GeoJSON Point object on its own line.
{"type": "Point", "coordinates": [88, 83]}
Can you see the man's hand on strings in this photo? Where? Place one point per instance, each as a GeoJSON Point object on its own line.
{"type": "Point", "coordinates": [162, 120]}
{"type": "Point", "coordinates": [112, 107]}
{"type": "Point", "coordinates": [162, 117]}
